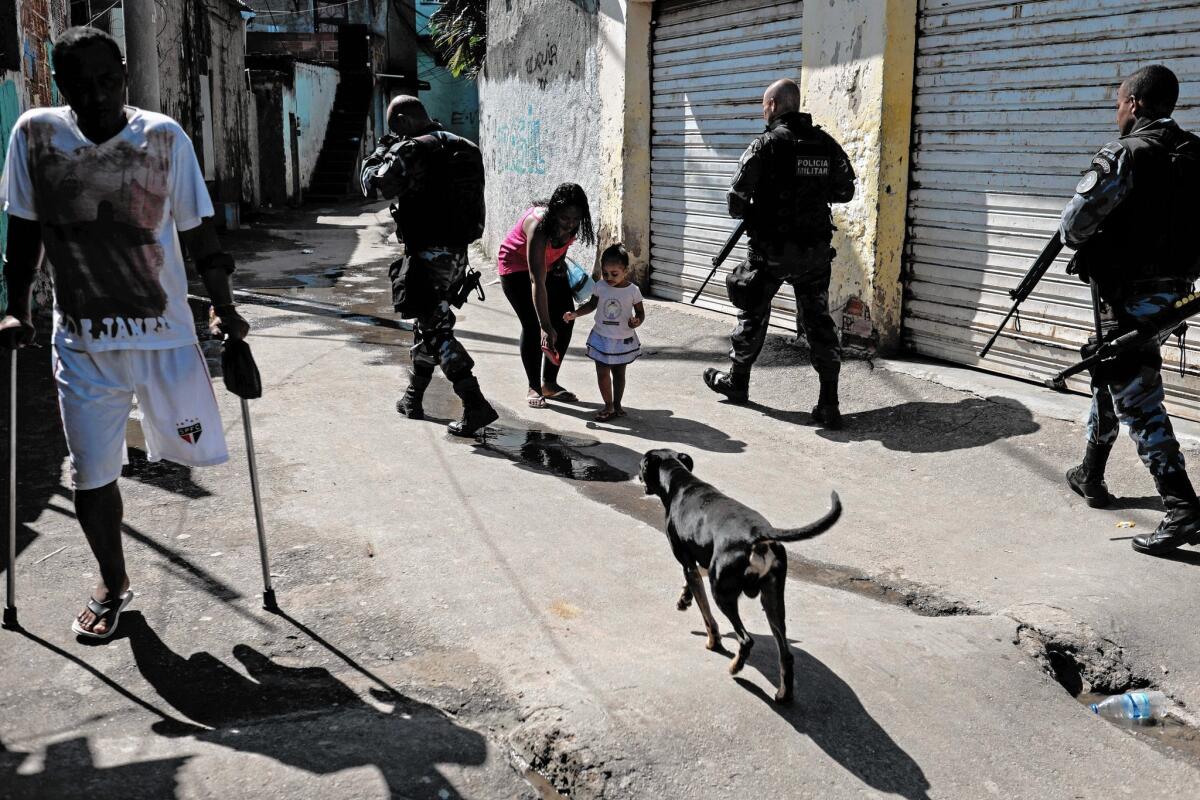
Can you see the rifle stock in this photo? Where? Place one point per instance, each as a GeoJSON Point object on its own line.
{"type": "Point", "coordinates": [720, 257]}
{"type": "Point", "coordinates": [1150, 329]}
{"type": "Point", "coordinates": [1028, 283]}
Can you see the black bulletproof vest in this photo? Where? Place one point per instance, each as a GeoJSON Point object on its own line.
{"type": "Point", "coordinates": [1134, 242]}
{"type": "Point", "coordinates": [434, 212]}
{"type": "Point", "coordinates": [791, 199]}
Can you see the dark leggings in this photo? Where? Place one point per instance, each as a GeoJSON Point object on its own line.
{"type": "Point", "coordinates": [519, 291]}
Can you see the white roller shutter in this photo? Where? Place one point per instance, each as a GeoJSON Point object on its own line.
{"type": "Point", "coordinates": [712, 61]}
{"type": "Point", "coordinates": [1011, 100]}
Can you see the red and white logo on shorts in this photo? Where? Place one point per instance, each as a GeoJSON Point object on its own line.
{"type": "Point", "coordinates": [189, 430]}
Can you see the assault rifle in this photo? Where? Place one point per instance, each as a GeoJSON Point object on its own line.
{"type": "Point", "coordinates": [720, 257]}
{"type": "Point", "coordinates": [1151, 329]}
{"type": "Point", "coordinates": [1026, 287]}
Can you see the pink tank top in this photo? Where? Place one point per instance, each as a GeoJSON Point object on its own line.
{"type": "Point", "coordinates": [512, 257]}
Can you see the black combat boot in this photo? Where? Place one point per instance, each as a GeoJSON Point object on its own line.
{"type": "Point", "coordinates": [409, 403]}
{"type": "Point", "coordinates": [734, 384]}
{"type": "Point", "coordinates": [477, 411]}
{"type": "Point", "coordinates": [1087, 479]}
{"type": "Point", "coordinates": [826, 413]}
{"type": "Point", "coordinates": [1181, 525]}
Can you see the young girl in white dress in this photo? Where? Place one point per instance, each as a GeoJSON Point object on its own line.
{"type": "Point", "coordinates": [613, 343]}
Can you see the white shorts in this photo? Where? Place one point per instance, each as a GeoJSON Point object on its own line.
{"type": "Point", "coordinates": [180, 420]}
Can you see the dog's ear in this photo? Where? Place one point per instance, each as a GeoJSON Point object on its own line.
{"type": "Point", "coordinates": [686, 460]}
{"type": "Point", "coordinates": [649, 472]}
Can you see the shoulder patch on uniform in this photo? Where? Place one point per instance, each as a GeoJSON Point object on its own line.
{"type": "Point", "coordinates": [1087, 182]}
{"type": "Point", "coordinates": [1105, 161]}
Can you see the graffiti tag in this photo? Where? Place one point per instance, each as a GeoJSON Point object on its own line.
{"type": "Point", "coordinates": [519, 145]}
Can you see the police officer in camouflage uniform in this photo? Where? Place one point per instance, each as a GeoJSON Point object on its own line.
{"type": "Point", "coordinates": [1119, 222]}
{"type": "Point", "coordinates": [436, 179]}
{"type": "Point", "coordinates": [784, 184]}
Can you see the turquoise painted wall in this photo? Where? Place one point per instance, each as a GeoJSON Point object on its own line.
{"type": "Point", "coordinates": [10, 109]}
{"type": "Point", "coordinates": [454, 102]}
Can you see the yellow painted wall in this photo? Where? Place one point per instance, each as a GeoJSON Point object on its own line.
{"type": "Point", "coordinates": [624, 80]}
{"type": "Point", "coordinates": [856, 81]}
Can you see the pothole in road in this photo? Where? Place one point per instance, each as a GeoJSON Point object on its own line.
{"type": "Point", "coordinates": [1091, 669]}
{"type": "Point", "coordinates": [1170, 734]}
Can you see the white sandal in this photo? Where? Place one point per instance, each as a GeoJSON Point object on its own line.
{"type": "Point", "coordinates": [112, 607]}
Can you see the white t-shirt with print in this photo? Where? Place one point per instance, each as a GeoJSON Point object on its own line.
{"type": "Point", "coordinates": [109, 215]}
{"type": "Point", "coordinates": [614, 308]}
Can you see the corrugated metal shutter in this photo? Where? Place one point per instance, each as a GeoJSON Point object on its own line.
{"type": "Point", "coordinates": [1011, 101]}
{"type": "Point", "coordinates": [712, 61]}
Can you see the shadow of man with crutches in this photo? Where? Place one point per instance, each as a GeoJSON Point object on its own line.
{"type": "Point", "coordinates": [303, 717]}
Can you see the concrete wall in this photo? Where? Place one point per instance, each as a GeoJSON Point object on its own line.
{"type": "Point", "coordinates": [294, 100]}
{"type": "Point", "coordinates": [268, 95]}
{"type": "Point", "coordinates": [234, 123]}
{"type": "Point", "coordinates": [201, 48]}
{"type": "Point", "coordinates": [566, 96]}
{"type": "Point", "coordinates": [625, 129]}
{"type": "Point", "coordinates": [857, 81]}
{"type": "Point", "coordinates": [27, 30]}
{"type": "Point", "coordinates": [315, 87]}
{"type": "Point", "coordinates": [539, 120]}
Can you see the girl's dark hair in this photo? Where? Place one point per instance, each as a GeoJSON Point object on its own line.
{"type": "Point", "coordinates": [565, 196]}
{"type": "Point", "coordinates": [615, 252]}
{"type": "Point", "coordinates": [73, 39]}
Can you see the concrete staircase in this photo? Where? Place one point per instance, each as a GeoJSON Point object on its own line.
{"type": "Point", "coordinates": [334, 178]}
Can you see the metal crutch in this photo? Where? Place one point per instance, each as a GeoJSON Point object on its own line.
{"type": "Point", "coordinates": [10, 599]}
{"type": "Point", "coordinates": [268, 592]}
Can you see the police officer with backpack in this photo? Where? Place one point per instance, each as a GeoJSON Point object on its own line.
{"type": "Point", "coordinates": [436, 179]}
{"type": "Point", "coordinates": [784, 184]}
{"type": "Point", "coordinates": [1133, 223]}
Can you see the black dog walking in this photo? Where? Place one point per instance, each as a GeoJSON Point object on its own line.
{"type": "Point", "coordinates": [743, 553]}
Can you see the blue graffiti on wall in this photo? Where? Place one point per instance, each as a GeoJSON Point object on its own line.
{"type": "Point", "coordinates": [519, 145]}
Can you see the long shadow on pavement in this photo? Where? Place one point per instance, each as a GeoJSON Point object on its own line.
{"type": "Point", "coordinates": [828, 711]}
{"type": "Point", "coordinates": [922, 426]}
{"type": "Point", "coordinates": [303, 717]}
{"type": "Point", "coordinates": [659, 425]}
{"type": "Point", "coordinates": [69, 772]}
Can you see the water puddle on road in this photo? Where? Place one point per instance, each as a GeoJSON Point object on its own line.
{"type": "Point", "coordinates": [553, 453]}
{"type": "Point", "coordinates": [1168, 734]}
{"type": "Point", "coordinates": [545, 789]}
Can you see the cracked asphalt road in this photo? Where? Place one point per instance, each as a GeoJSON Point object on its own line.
{"type": "Point", "coordinates": [459, 612]}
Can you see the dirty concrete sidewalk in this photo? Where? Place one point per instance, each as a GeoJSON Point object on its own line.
{"type": "Point", "coordinates": [482, 619]}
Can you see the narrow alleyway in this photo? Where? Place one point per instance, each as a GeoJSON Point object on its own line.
{"type": "Point", "coordinates": [496, 618]}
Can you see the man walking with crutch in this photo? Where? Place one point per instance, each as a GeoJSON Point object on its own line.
{"type": "Point", "coordinates": [106, 191]}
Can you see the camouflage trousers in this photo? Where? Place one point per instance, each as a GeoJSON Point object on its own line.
{"type": "Point", "coordinates": [1131, 392]}
{"type": "Point", "coordinates": [808, 271]}
{"type": "Point", "coordinates": [433, 332]}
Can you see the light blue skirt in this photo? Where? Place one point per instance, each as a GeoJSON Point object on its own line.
{"type": "Point", "coordinates": [613, 352]}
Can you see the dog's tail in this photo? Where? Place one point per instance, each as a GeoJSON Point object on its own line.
{"type": "Point", "coordinates": [813, 528]}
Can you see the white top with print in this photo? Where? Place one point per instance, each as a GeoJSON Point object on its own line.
{"type": "Point", "coordinates": [614, 308]}
{"type": "Point", "coordinates": [109, 215]}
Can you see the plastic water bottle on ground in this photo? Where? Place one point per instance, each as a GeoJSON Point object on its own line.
{"type": "Point", "coordinates": [1133, 706]}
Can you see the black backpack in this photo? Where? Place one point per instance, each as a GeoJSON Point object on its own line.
{"type": "Point", "coordinates": [1183, 237]}
{"type": "Point", "coordinates": [461, 189]}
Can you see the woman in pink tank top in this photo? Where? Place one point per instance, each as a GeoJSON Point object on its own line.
{"type": "Point", "coordinates": [534, 278]}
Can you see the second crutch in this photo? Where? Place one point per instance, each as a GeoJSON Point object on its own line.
{"type": "Point", "coordinates": [241, 377]}
{"type": "Point", "coordinates": [10, 596]}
